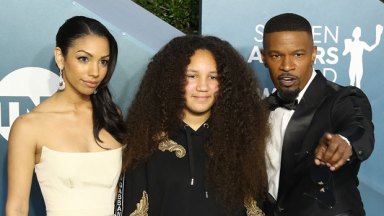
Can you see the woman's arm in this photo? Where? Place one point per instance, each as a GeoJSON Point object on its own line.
{"type": "Point", "coordinates": [21, 161]}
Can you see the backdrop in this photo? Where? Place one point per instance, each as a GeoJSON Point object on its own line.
{"type": "Point", "coordinates": [350, 50]}
{"type": "Point", "coordinates": [28, 74]}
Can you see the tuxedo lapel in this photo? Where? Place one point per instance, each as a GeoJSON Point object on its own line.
{"type": "Point", "coordinates": [296, 130]}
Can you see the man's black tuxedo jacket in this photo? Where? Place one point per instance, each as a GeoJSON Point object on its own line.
{"type": "Point", "coordinates": [325, 107]}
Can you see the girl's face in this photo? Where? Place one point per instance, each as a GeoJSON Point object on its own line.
{"type": "Point", "coordinates": [85, 64]}
{"type": "Point", "coordinates": [202, 84]}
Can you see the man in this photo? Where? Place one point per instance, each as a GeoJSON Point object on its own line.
{"type": "Point", "coordinates": [321, 131]}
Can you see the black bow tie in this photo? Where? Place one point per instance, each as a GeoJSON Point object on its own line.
{"type": "Point", "coordinates": [275, 101]}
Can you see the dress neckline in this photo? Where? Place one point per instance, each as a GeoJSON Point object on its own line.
{"type": "Point", "coordinates": [45, 148]}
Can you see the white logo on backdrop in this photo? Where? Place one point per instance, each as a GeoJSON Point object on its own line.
{"type": "Point", "coordinates": [327, 40]}
{"type": "Point", "coordinates": [356, 48]}
{"type": "Point", "coordinates": [22, 90]}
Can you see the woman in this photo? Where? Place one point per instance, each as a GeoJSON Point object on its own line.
{"type": "Point", "coordinates": [196, 134]}
{"type": "Point", "coordinates": [72, 139]}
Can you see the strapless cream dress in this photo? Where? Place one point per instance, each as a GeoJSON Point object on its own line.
{"type": "Point", "coordinates": [75, 184]}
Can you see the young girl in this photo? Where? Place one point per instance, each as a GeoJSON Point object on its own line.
{"type": "Point", "coordinates": [196, 134]}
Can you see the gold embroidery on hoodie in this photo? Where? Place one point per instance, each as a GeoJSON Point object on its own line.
{"type": "Point", "coordinates": [142, 206]}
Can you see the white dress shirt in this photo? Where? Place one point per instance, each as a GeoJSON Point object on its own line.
{"type": "Point", "coordinates": [278, 120]}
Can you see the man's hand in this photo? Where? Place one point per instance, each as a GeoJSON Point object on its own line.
{"type": "Point", "coordinates": [332, 151]}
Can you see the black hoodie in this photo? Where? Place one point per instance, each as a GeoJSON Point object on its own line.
{"type": "Point", "coordinates": [168, 185]}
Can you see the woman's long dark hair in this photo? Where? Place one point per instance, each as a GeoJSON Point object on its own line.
{"type": "Point", "coordinates": [106, 113]}
{"type": "Point", "coordinates": [238, 122]}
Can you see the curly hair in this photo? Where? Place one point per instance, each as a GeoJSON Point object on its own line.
{"type": "Point", "coordinates": [238, 121]}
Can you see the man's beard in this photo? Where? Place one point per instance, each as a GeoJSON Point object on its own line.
{"type": "Point", "coordinates": [289, 95]}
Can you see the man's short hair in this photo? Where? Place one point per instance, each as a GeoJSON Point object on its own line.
{"type": "Point", "coordinates": [287, 22]}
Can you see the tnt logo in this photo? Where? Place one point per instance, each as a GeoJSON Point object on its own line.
{"type": "Point", "coordinates": [22, 90]}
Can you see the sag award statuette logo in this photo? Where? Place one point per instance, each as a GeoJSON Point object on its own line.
{"type": "Point", "coordinates": [355, 47]}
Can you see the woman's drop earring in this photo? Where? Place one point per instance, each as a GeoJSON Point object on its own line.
{"type": "Point", "coordinates": [61, 81]}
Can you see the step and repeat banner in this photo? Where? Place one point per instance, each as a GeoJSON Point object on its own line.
{"type": "Point", "coordinates": [350, 46]}
{"type": "Point", "coordinates": [347, 33]}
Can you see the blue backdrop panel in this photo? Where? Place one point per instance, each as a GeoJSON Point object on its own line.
{"type": "Point", "coordinates": [336, 27]}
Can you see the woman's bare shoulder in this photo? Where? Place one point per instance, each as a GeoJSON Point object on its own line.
{"type": "Point", "coordinates": [34, 119]}
{"type": "Point", "coordinates": [27, 123]}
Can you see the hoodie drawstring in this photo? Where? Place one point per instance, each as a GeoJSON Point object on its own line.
{"type": "Point", "coordinates": [190, 154]}
{"type": "Point", "coordinates": [205, 134]}
{"type": "Point", "coordinates": [188, 131]}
